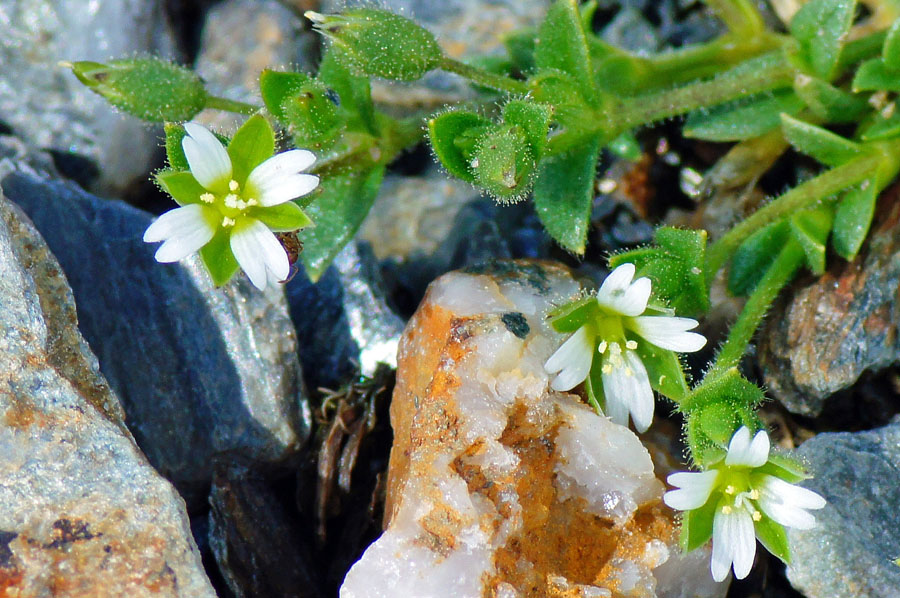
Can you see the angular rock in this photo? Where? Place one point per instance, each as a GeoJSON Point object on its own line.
{"type": "Point", "coordinates": [839, 326]}
{"type": "Point", "coordinates": [199, 370]}
{"type": "Point", "coordinates": [343, 322]}
{"type": "Point", "coordinates": [47, 106]}
{"type": "Point", "coordinates": [243, 37]}
{"type": "Point", "coordinates": [850, 552]}
{"type": "Point", "coordinates": [499, 486]}
{"type": "Point", "coordinates": [82, 513]}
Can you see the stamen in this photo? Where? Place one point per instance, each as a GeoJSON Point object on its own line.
{"type": "Point", "coordinates": [756, 516]}
{"type": "Point", "coordinates": [207, 197]}
{"type": "Point", "coordinates": [606, 369]}
{"type": "Point", "coordinates": [726, 509]}
{"type": "Point", "coordinates": [631, 345]}
{"type": "Point", "coordinates": [729, 489]}
{"type": "Point", "coordinates": [754, 494]}
{"type": "Point", "coordinates": [231, 201]}
{"type": "Point", "coordinates": [226, 221]}
{"type": "Point", "coordinates": [252, 202]}
{"type": "Point", "coordinates": [602, 347]}
{"type": "Point", "coordinates": [233, 185]}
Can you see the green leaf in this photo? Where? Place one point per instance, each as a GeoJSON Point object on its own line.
{"type": "Point", "coordinates": [820, 27]}
{"type": "Point", "coordinates": [873, 75]}
{"type": "Point", "coordinates": [181, 185]}
{"type": "Point", "coordinates": [338, 212]}
{"type": "Point", "coordinates": [828, 102]}
{"type": "Point", "coordinates": [253, 143]}
{"type": "Point", "coordinates": [453, 137]}
{"type": "Point", "coordinates": [571, 316]}
{"type": "Point", "coordinates": [853, 219]}
{"type": "Point", "coordinates": [697, 526]}
{"type": "Point", "coordinates": [890, 51]}
{"type": "Point", "coordinates": [784, 467]}
{"type": "Point", "coordinates": [285, 217]}
{"type": "Point", "coordinates": [754, 256]}
{"type": "Point", "coordinates": [730, 387]}
{"type": "Point", "coordinates": [174, 151]}
{"type": "Point", "coordinates": [882, 127]}
{"type": "Point", "coordinates": [823, 145]}
{"type": "Point", "coordinates": [534, 120]}
{"type": "Point", "coordinates": [276, 86]}
{"type": "Point", "coordinates": [353, 90]}
{"type": "Point", "coordinates": [218, 258]}
{"type": "Point", "coordinates": [773, 537]}
{"type": "Point", "coordinates": [744, 118]}
{"type": "Point", "coordinates": [663, 368]}
{"type": "Point", "coordinates": [810, 229]}
{"type": "Point", "coordinates": [564, 192]}
{"type": "Point", "coordinates": [520, 45]}
{"type": "Point", "coordinates": [562, 45]}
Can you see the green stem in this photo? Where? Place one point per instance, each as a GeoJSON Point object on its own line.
{"type": "Point", "coordinates": [217, 103]}
{"type": "Point", "coordinates": [798, 198]}
{"type": "Point", "coordinates": [645, 109]}
{"type": "Point", "coordinates": [483, 77]}
{"type": "Point", "coordinates": [776, 277]}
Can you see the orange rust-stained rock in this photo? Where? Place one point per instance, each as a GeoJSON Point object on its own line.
{"type": "Point", "coordinates": [499, 486]}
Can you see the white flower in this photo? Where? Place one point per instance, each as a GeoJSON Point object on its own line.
{"type": "Point", "coordinates": [742, 496]}
{"type": "Point", "coordinates": [622, 303]}
{"type": "Point", "coordinates": [238, 207]}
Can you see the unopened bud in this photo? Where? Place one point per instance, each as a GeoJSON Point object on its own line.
{"type": "Point", "coordinates": [311, 114]}
{"type": "Point", "coordinates": [149, 88]}
{"type": "Point", "coordinates": [504, 164]}
{"type": "Point", "coordinates": [380, 43]}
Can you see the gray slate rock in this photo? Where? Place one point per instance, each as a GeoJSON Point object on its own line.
{"type": "Point", "coordinates": [199, 370]}
{"type": "Point", "coordinates": [47, 106]}
{"type": "Point", "coordinates": [82, 513]}
{"type": "Point", "coordinates": [837, 327]}
{"type": "Point", "coordinates": [343, 321]}
{"type": "Point", "coordinates": [243, 37]}
{"type": "Point", "coordinates": [849, 554]}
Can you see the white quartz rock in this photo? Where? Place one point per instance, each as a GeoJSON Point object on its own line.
{"type": "Point", "coordinates": [498, 485]}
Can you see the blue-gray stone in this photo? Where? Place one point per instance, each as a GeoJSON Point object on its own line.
{"type": "Point", "coordinates": [199, 370]}
{"type": "Point", "coordinates": [850, 553]}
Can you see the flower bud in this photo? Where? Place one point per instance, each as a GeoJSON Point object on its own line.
{"type": "Point", "coordinates": [149, 88]}
{"type": "Point", "coordinates": [504, 164]}
{"type": "Point", "coordinates": [311, 114]}
{"type": "Point", "coordinates": [379, 43]}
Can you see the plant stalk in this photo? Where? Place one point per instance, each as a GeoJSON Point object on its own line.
{"type": "Point", "coordinates": [483, 77]}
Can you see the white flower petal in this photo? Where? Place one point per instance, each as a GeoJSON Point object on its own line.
{"type": "Point", "coordinates": [743, 452]}
{"type": "Point", "coordinates": [627, 389]}
{"type": "Point", "coordinates": [616, 283]}
{"type": "Point", "coordinates": [722, 550]}
{"type": "Point", "coordinates": [787, 515]}
{"type": "Point", "coordinates": [634, 302]}
{"type": "Point", "coordinates": [572, 360]}
{"type": "Point", "coordinates": [259, 253]}
{"type": "Point", "coordinates": [791, 494]}
{"type": "Point", "coordinates": [284, 188]}
{"type": "Point", "coordinates": [758, 453]}
{"type": "Point", "coordinates": [184, 230]}
{"type": "Point", "coordinates": [693, 491]}
{"type": "Point", "coordinates": [668, 332]}
{"type": "Point", "coordinates": [207, 157]}
{"type": "Point", "coordinates": [734, 542]}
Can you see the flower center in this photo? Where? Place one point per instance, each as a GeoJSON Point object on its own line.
{"type": "Point", "coordinates": [738, 495]}
{"type": "Point", "coordinates": [231, 205]}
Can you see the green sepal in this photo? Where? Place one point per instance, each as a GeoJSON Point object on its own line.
{"type": "Point", "coordinates": [338, 212]}
{"type": "Point", "coordinates": [626, 146]}
{"type": "Point", "coordinates": [810, 228]}
{"type": "Point", "coordinates": [504, 163]}
{"type": "Point", "coordinates": [890, 51]}
{"type": "Point", "coordinates": [820, 27]}
{"type": "Point", "coordinates": [697, 526]}
{"type": "Point", "coordinates": [564, 192]}
{"type": "Point", "coordinates": [754, 256]}
{"type": "Point", "coordinates": [744, 118]}
{"type": "Point", "coordinates": [534, 121]}
{"type": "Point", "coordinates": [784, 467]}
{"type": "Point", "coordinates": [174, 151]}
{"type": "Point", "coordinates": [454, 136]}
{"type": "Point", "coordinates": [571, 316]}
{"type": "Point", "coordinates": [853, 218]}
{"type": "Point", "coordinates": [562, 45]}
{"type": "Point", "coordinates": [773, 538]}
{"type": "Point", "coordinates": [673, 265]}
{"type": "Point", "coordinates": [181, 185]}
{"type": "Point", "coordinates": [663, 368]}
{"type": "Point", "coordinates": [823, 145]}
{"type": "Point", "coordinates": [353, 90]}
{"type": "Point", "coordinates": [218, 258]}
{"type": "Point", "coordinates": [313, 118]}
{"type": "Point", "coordinates": [593, 386]}
{"type": "Point", "coordinates": [882, 128]}
{"type": "Point", "coordinates": [873, 75]}
{"type": "Point", "coordinates": [276, 86]}
{"type": "Point", "coordinates": [285, 217]}
{"type": "Point", "coordinates": [828, 102]}
{"type": "Point", "coordinates": [253, 143]}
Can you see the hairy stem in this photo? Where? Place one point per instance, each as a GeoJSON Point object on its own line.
{"type": "Point", "coordinates": [217, 103]}
{"type": "Point", "coordinates": [483, 77]}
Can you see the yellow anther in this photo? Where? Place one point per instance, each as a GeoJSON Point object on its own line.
{"type": "Point", "coordinates": [602, 347]}
{"type": "Point", "coordinates": [252, 202]}
{"type": "Point", "coordinates": [231, 201]}
{"type": "Point", "coordinates": [207, 197]}
{"type": "Point", "coordinates": [726, 509]}
{"type": "Point", "coordinates": [233, 185]}
{"type": "Point", "coordinates": [729, 489]}
{"type": "Point", "coordinates": [226, 221]}
{"type": "Point", "coordinates": [607, 369]}
{"type": "Point", "coordinates": [754, 494]}
{"type": "Point", "coordinates": [756, 515]}
{"type": "Point", "coordinates": [631, 345]}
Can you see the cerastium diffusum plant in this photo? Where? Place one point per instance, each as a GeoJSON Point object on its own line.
{"type": "Point", "coordinates": [559, 97]}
